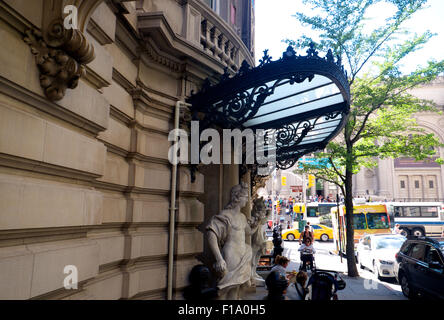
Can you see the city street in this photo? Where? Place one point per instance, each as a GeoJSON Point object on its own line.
{"type": "Point", "coordinates": [366, 287]}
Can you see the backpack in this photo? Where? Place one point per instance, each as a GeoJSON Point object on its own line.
{"type": "Point", "coordinates": [276, 285]}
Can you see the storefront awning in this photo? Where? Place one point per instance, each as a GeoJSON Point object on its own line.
{"type": "Point", "coordinates": [301, 101]}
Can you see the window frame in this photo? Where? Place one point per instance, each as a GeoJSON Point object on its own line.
{"type": "Point", "coordinates": [355, 221]}
{"type": "Point", "coordinates": [378, 215]}
{"type": "Point", "coordinates": [417, 245]}
{"type": "Point", "coordinates": [428, 249]}
{"type": "Point", "coordinates": [435, 214]}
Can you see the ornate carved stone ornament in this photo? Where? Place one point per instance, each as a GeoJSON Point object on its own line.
{"type": "Point", "coordinates": [61, 54]}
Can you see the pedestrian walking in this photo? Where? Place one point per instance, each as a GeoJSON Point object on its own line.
{"type": "Point", "coordinates": [305, 234]}
{"type": "Point", "coordinates": [310, 228]}
{"type": "Point", "coordinates": [396, 229]}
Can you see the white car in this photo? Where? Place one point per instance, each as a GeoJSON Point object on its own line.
{"type": "Point", "coordinates": [377, 253]}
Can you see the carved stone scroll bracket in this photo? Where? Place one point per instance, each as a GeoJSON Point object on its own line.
{"type": "Point", "coordinates": [61, 53]}
{"type": "Point", "coordinates": [58, 70]}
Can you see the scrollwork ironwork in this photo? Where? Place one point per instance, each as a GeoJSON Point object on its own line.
{"type": "Point", "coordinates": [312, 52]}
{"type": "Point", "coordinates": [265, 59]}
{"type": "Point", "coordinates": [245, 67]}
{"type": "Point", "coordinates": [240, 107]}
{"type": "Point", "coordinates": [289, 53]}
{"type": "Point", "coordinates": [286, 164]}
{"type": "Point", "coordinates": [238, 99]}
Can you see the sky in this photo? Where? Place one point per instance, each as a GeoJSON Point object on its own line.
{"type": "Point", "coordinates": [274, 22]}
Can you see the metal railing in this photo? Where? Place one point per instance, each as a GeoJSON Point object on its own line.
{"type": "Point", "coordinates": [219, 40]}
{"type": "Point", "coordinates": [416, 199]}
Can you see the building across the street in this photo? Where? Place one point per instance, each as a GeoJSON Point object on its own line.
{"type": "Point", "coordinates": [404, 179]}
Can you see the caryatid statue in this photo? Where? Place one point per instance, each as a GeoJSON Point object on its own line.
{"type": "Point", "coordinates": [259, 216]}
{"type": "Point", "coordinates": [226, 233]}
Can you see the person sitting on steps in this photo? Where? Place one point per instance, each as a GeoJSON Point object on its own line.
{"type": "Point", "coordinates": [276, 280]}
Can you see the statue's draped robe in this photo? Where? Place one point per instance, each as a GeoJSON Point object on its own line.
{"type": "Point", "coordinates": [236, 253]}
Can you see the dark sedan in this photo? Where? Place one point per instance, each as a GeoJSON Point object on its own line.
{"type": "Point", "coordinates": [421, 267]}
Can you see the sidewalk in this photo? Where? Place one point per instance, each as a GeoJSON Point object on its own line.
{"type": "Point", "coordinates": [364, 287]}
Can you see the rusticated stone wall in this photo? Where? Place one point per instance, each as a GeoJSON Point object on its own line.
{"type": "Point", "coordinates": [85, 180]}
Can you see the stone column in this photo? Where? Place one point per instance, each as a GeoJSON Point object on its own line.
{"type": "Point", "coordinates": [360, 183]}
{"type": "Point", "coordinates": [326, 189]}
{"type": "Point", "coordinates": [247, 209]}
{"type": "Point", "coordinates": [386, 178]}
{"type": "Point", "coordinates": [230, 179]}
{"type": "Point", "coordinates": [313, 190]}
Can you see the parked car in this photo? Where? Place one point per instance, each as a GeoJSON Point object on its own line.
{"type": "Point", "coordinates": [421, 267]}
{"type": "Point", "coordinates": [377, 252]}
{"type": "Point", "coordinates": [320, 232]}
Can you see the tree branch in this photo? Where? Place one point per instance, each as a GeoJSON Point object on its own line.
{"type": "Point", "coordinates": [341, 176]}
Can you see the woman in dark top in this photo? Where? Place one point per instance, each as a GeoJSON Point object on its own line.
{"type": "Point", "coordinates": [276, 281]}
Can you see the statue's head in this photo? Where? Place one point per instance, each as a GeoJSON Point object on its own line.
{"type": "Point", "coordinates": [259, 208]}
{"type": "Point", "coordinates": [239, 196]}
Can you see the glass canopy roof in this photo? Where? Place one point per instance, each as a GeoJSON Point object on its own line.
{"type": "Point", "coordinates": [300, 101]}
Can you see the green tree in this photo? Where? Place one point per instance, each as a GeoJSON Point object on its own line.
{"type": "Point", "coordinates": [380, 123]}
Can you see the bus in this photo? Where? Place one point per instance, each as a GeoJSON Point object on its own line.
{"type": "Point", "coordinates": [418, 218]}
{"type": "Point", "coordinates": [324, 213]}
{"type": "Point", "coordinates": [314, 212]}
{"type": "Point", "coordinates": [367, 219]}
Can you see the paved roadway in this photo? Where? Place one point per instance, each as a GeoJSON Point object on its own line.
{"type": "Point", "coordinates": [365, 287]}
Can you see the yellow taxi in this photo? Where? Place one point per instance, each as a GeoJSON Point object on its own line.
{"type": "Point", "coordinates": [320, 232]}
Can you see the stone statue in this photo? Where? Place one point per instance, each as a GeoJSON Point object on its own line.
{"type": "Point", "coordinates": [260, 214]}
{"type": "Point", "coordinates": [226, 233]}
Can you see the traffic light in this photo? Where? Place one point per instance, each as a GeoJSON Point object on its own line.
{"type": "Point", "coordinates": [284, 181]}
{"type": "Point", "coordinates": [311, 180]}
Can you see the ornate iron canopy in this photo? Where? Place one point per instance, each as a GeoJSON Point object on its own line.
{"type": "Point", "coordinates": [300, 101]}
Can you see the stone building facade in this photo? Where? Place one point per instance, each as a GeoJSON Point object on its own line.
{"type": "Point", "coordinates": [84, 173]}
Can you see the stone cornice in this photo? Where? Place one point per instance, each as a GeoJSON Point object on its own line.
{"type": "Point", "coordinates": [143, 158]}
{"type": "Point", "coordinates": [122, 81]}
{"type": "Point", "coordinates": [139, 190]}
{"type": "Point", "coordinates": [37, 101]}
{"type": "Point", "coordinates": [120, 116]}
{"type": "Point", "coordinates": [144, 102]}
{"type": "Point", "coordinates": [153, 54]}
{"type": "Point", "coordinates": [7, 160]}
{"type": "Point", "coordinates": [149, 129]}
{"type": "Point", "coordinates": [114, 149]}
{"type": "Point", "coordinates": [127, 38]}
{"type": "Point", "coordinates": [14, 19]}
{"type": "Point", "coordinates": [155, 26]}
